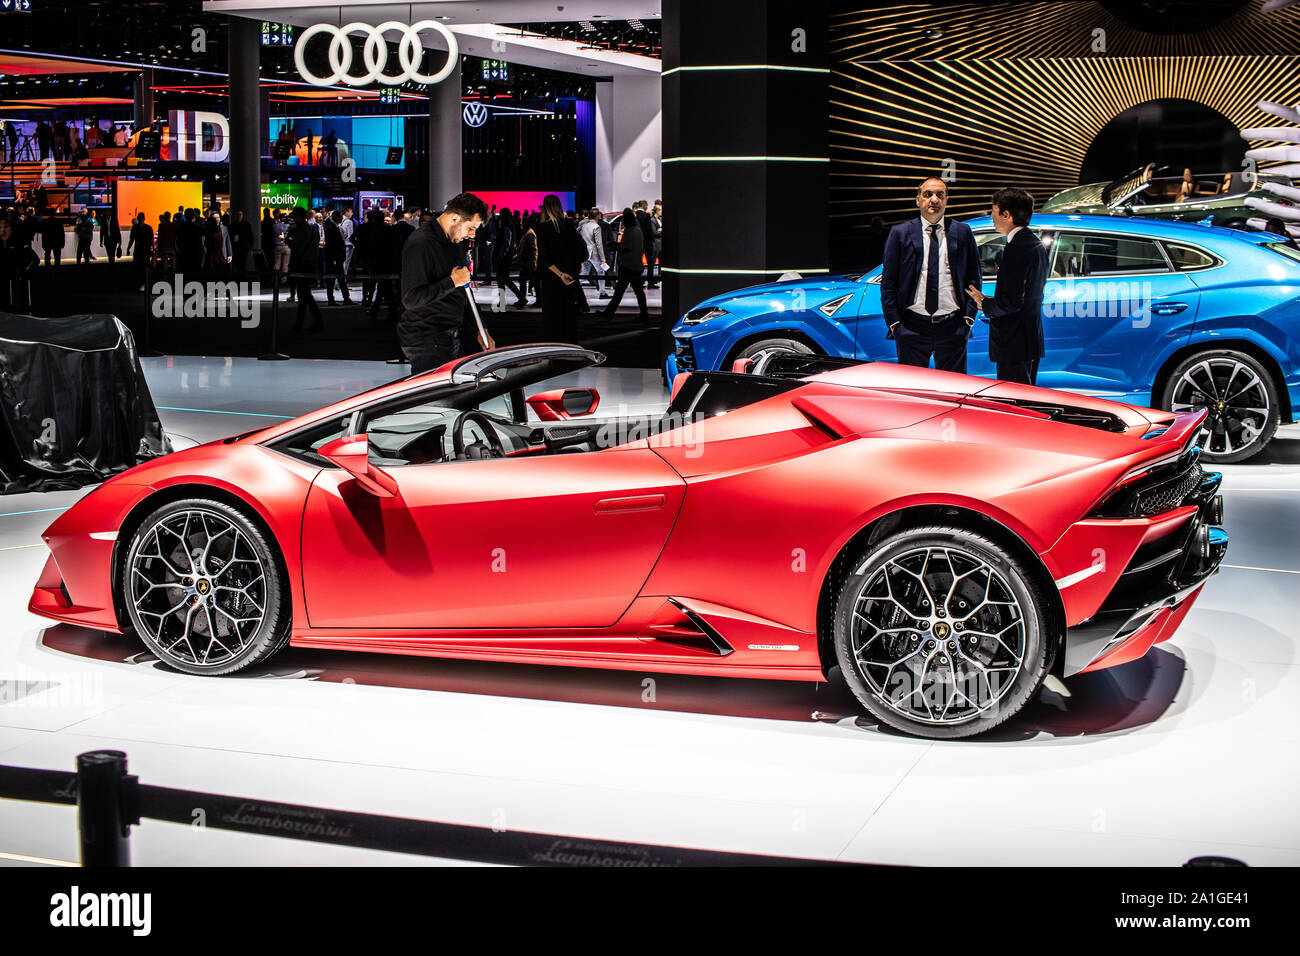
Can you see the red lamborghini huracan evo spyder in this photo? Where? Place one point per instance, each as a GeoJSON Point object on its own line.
{"type": "Point", "coordinates": [947, 541]}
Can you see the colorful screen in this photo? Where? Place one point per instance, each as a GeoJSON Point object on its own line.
{"type": "Point", "coordinates": [523, 200]}
{"type": "Point", "coordinates": [283, 197]}
{"type": "Point", "coordinates": [363, 139]}
{"type": "Point", "coordinates": [135, 196]}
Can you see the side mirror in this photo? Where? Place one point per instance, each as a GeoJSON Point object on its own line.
{"type": "Point", "coordinates": [352, 454]}
{"type": "Point", "coordinates": [561, 404]}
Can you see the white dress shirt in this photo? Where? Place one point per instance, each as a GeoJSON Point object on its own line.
{"type": "Point", "coordinates": [947, 301]}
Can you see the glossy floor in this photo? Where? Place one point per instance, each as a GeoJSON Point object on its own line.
{"type": "Point", "coordinates": [1192, 750]}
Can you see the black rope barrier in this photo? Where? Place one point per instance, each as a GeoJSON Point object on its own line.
{"type": "Point", "coordinates": [110, 801]}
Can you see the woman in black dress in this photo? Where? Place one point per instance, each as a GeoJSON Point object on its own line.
{"type": "Point", "coordinates": [560, 251]}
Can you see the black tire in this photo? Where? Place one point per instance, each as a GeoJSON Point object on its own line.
{"type": "Point", "coordinates": [1211, 379]}
{"type": "Point", "coordinates": [774, 346]}
{"type": "Point", "coordinates": [233, 609]}
{"type": "Point", "coordinates": [883, 576]}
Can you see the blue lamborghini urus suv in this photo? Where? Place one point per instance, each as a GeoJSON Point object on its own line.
{"type": "Point", "coordinates": [1161, 314]}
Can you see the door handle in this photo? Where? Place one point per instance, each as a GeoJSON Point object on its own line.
{"type": "Point", "coordinates": [1168, 308]}
{"type": "Point", "coordinates": [635, 503]}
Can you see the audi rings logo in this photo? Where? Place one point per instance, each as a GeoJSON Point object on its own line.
{"type": "Point", "coordinates": [475, 114]}
{"type": "Point", "coordinates": [375, 53]}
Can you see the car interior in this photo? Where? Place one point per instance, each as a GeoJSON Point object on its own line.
{"type": "Point", "coordinates": [1163, 190]}
{"type": "Point", "coordinates": [493, 419]}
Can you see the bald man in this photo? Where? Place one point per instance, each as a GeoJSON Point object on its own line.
{"type": "Point", "coordinates": [929, 263]}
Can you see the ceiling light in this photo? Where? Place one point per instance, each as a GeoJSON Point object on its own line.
{"type": "Point", "coordinates": [586, 26]}
{"type": "Point", "coordinates": [635, 24]}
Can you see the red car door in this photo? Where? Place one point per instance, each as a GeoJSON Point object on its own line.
{"type": "Point", "coordinates": [545, 541]}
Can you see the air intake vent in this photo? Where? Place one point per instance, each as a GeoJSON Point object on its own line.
{"type": "Point", "coordinates": [676, 624]}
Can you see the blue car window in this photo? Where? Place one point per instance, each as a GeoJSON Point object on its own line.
{"type": "Point", "coordinates": [1105, 255]}
{"type": "Point", "coordinates": [991, 246]}
{"type": "Point", "coordinates": [1186, 258]}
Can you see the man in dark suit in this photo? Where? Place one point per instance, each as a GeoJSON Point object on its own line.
{"type": "Point", "coordinates": [648, 233]}
{"type": "Point", "coordinates": [1015, 309]}
{"type": "Point", "coordinates": [928, 262]}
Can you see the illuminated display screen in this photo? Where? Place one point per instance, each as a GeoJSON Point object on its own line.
{"type": "Point", "coordinates": [523, 200]}
{"type": "Point", "coordinates": [135, 196]}
{"type": "Point", "coordinates": [364, 139]}
{"type": "Point", "coordinates": [283, 197]}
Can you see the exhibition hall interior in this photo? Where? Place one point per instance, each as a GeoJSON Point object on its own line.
{"type": "Point", "coordinates": [649, 433]}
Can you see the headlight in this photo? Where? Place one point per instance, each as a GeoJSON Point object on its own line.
{"type": "Point", "coordinates": [696, 316]}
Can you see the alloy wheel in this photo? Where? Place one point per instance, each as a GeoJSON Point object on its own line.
{"type": "Point", "coordinates": [938, 635]}
{"type": "Point", "coordinates": [1236, 397]}
{"type": "Point", "coordinates": [197, 588]}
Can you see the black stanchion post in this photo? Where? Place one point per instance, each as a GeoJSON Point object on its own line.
{"type": "Point", "coordinates": [106, 808]}
{"type": "Point", "coordinates": [273, 354]}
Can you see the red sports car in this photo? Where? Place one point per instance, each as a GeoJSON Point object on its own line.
{"type": "Point", "coordinates": [948, 541]}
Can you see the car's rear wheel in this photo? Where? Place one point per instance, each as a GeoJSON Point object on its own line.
{"type": "Point", "coordinates": [763, 350]}
{"type": "Point", "coordinates": [202, 587]}
{"type": "Point", "coordinates": [941, 633]}
{"type": "Point", "coordinates": [1238, 392]}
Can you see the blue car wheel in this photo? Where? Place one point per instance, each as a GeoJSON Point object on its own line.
{"type": "Point", "coordinates": [1240, 395]}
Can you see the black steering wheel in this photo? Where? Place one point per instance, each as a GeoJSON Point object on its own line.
{"type": "Point", "coordinates": [491, 448]}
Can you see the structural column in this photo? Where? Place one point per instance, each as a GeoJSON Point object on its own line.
{"type": "Point", "coordinates": [246, 122]}
{"type": "Point", "coordinates": [745, 144]}
{"type": "Point", "coordinates": [445, 140]}
{"type": "Point", "coordinates": [629, 138]}
{"type": "Point", "coordinates": [144, 98]}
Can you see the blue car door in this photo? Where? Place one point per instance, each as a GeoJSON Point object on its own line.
{"type": "Point", "coordinates": [1112, 302]}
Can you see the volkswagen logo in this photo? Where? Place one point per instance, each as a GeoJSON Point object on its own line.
{"type": "Point", "coordinates": [475, 114]}
{"type": "Point", "coordinates": [375, 53]}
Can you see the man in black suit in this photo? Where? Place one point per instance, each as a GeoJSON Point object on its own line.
{"type": "Point", "coordinates": [648, 233]}
{"type": "Point", "coordinates": [1015, 309]}
{"type": "Point", "coordinates": [928, 262]}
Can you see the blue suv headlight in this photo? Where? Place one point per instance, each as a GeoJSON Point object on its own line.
{"type": "Point", "coordinates": [696, 316]}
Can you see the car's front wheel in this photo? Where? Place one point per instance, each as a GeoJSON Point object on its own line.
{"type": "Point", "coordinates": [940, 632]}
{"type": "Point", "coordinates": [202, 588]}
{"type": "Point", "coordinates": [1239, 394]}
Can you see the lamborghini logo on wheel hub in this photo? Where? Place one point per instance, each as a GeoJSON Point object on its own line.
{"type": "Point", "coordinates": [202, 585]}
{"type": "Point", "coordinates": [940, 630]}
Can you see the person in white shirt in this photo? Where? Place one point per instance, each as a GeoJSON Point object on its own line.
{"type": "Point", "coordinates": [347, 227]}
{"type": "Point", "coordinates": [590, 232]}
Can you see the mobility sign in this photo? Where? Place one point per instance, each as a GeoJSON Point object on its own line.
{"type": "Point", "coordinates": [15, 6]}
{"type": "Point", "coordinates": [283, 197]}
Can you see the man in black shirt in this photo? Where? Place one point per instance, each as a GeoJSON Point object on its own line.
{"type": "Point", "coordinates": [433, 271]}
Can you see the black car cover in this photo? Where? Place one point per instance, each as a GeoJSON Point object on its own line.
{"type": "Point", "coordinates": [74, 403]}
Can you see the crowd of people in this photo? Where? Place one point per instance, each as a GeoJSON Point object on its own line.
{"type": "Point", "coordinates": [548, 257]}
